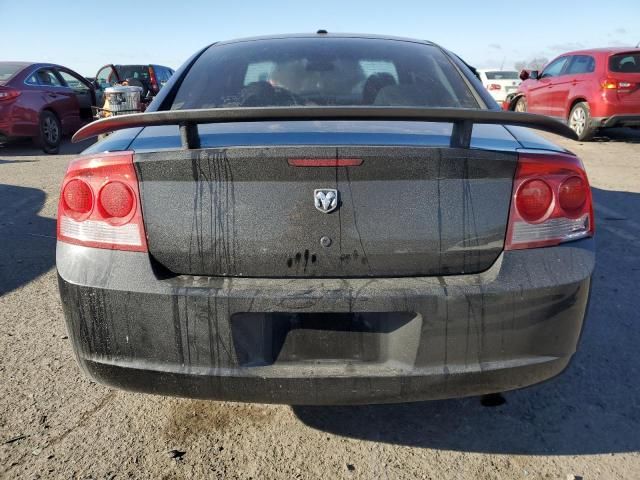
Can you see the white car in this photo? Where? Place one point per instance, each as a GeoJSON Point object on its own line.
{"type": "Point", "coordinates": [500, 83]}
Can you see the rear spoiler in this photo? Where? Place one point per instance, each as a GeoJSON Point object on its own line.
{"type": "Point", "coordinates": [463, 120]}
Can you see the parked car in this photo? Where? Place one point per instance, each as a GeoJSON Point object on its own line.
{"type": "Point", "coordinates": [499, 83]}
{"type": "Point", "coordinates": [151, 78]}
{"type": "Point", "coordinates": [43, 101]}
{"type": "Point", "coordinates": [324, 219]}
{"type": "Point", "coordinates": [588, 89]}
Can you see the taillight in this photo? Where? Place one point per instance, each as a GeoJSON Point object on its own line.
{"type": "Point", "coordinates": [8, 94]}
{"type": "Point", "coordinates": [551, 202]}
{"type": "Point", "coordinates": [116, 200]}
{"type": "Point", "coordinates": [100, 204]}
{"type": "Point", "coordinates": [494, 86]}
{"type": "Point", "coordinates": [154, 80]}
{"type": "Point", "coordinates": [533, 199]}
{"type": "Point", "coordinates": [572, 194]}
{"type": "Point", "coordinates": [613, 84]}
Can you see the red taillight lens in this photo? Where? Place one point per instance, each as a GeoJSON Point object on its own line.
{"type": "Point", "coordinates": [100, 204]}
{"type": "Point", "coordinates": [494, 86]}
{"type": "Point", "coordinates": [551, 202]}
{"type": "Point", "coordinates": [533, 200]}
{"type": "Point", "coordinates": [116, 200]}
{"type": "Point", "coordinates": [77, 197]}
{"type": "Point", "coordinates": [572, 194]}
{"type": "Point", "coordinates": [614, 84]}
{"type": "Point", "coordinates": [8, 94]}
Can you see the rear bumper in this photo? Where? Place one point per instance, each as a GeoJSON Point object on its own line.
{"type": "Point", "coordinates": [617, 121]}
{"type": "Point", "coordinates": [516, 324]}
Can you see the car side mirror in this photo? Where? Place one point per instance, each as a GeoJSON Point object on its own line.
{"type": "Point", "coordinates": [524, 75]}
{"type": "Point", "coordinates": [534, 75]}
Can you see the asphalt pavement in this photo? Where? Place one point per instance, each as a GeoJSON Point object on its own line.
{"type": "Point", "coordinates": [55, 423]}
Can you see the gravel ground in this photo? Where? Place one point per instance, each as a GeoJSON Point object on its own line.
{"type": "Point", "coordinates": [55, 423]}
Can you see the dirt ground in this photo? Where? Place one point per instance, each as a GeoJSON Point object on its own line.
{"type": "Point", "coordinates": [55, 423]}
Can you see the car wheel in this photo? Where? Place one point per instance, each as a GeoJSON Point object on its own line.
{"type": "Point", "coordinates": [50, 132]}
{"type": "Point", "coordinates": [580, 121]}
{"type": "Point", "coordinates": [521, 105]}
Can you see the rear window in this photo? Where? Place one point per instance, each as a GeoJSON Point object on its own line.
{"type": "Point", "coordinates": [140, 72]}
{"type": "Point", "coordinates": [8, 70]}
{"type": "Point", "coordinates": [502, 75]}
{"type": "Point", "coordinates": [323, 71]}
{"type": "Point", "coordinates": [625, 62]}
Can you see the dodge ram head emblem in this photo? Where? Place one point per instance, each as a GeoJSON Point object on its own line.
{"type": "Point", "coordinates": [325, 199]}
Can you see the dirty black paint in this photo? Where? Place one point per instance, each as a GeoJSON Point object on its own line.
{"type": "Point", "coordinates": [302, 260]}
{"type": "Point", "coordinates": [246, 212]}
{"type": "Point", "coordinates": [181, 328]}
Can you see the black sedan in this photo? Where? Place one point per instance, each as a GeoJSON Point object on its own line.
{"type": "Point", "coordinates": [322, 219]}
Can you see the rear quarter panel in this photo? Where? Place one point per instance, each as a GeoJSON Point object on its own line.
{"type": "Point", "coordinates": [26, 109]}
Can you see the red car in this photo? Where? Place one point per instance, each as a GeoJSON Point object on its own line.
{"type": "Point", "coordinates": [43, 101]}
{"type": "Point", "coordinates": [588, 89]}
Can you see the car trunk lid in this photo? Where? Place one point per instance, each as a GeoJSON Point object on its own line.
{"type": "Point", "coordinates": [401, 210]}
{"type": "Point", "coordinates": [624, 77]}
{"type": "Point", "coordinates": [506, 86]}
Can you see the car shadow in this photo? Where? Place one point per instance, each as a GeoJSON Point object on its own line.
{"type": "Point", "coordinates": [26, 148]}
{"type": "Point", "coordinates": [3, 161]}
{"type": "Point", "coordinates": [628, 135]}
{"type": "Point", "coordinates": [27, 240]}
{"type": "Point", "coordinates": [591, 408]}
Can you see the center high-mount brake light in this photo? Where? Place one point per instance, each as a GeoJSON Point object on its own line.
{"type": "Point", "coordinates": [100, 204]}
{"type": "Point", "coordinates": [551, 202]}
{"type": "Point", "coordinates": [325, 162]}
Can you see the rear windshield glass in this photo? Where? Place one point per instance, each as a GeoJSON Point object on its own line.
{"type": "Point", "coordinates": [8, 70]}
{"type": "Point", "coordinates": [502, 75]}
{"type": "Point", "coordinates": [323, 71]}
{"type": "Point", "coordinates": [625, 62]}
{"type": "Point", "coordinates": [140, 72]}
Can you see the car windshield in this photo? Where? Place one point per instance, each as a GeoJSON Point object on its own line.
{"type": "Point", "coordinates": [502, 75]}
{"type": "Point", "coordinates": [8, 70]}
{"type": "Point", "coordinates": [625, 62]}
{"type": "Point", "coordinates": [323, 71]}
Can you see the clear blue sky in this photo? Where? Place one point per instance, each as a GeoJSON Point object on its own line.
{"type": "Point", "coordinates": [85, 35]}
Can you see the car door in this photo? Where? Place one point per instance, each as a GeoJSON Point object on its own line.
{"type": "Point", "coordinates": [559, 91]}
{"type": "Point", "coordinates": [83, 91]}
{"type": "Point", "coordinates": [55, 96]}
{"type": "Point", "coordinates": [578, 76]}
{"type": "Point", "coordinates": [540, 92]}
{"type": "Point", "coordinates": [107, 76]}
